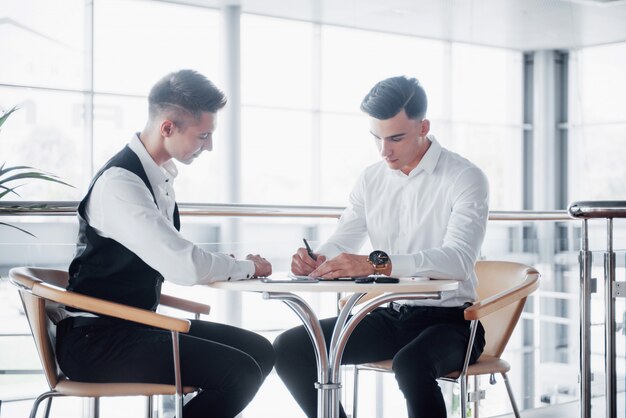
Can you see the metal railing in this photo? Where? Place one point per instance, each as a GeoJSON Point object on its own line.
{"type": "Point", "coordinates": [68, 208]}
{"type": "Point", "coordinates": [608, 210]}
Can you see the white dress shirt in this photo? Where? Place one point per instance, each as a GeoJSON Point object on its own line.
{"type": "Point", "coordinates": [431, 222]}
{"type": "Point", "coordinates": [122, 208]}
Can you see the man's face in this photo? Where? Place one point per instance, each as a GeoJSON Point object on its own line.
{"type": "Point", "coordinates": [196, 135]}
{"type": "Point", "coordinates": [401, 141]}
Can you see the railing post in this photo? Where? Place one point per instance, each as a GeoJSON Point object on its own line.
{"type": "Point", "coordinates": [609, 323]}
{"type": "Point", "coordinates": [585, 260]}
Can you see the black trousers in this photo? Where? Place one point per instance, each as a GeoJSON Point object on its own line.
{"type": "Point", "coordinates": [424, 342]}
{"type": "Point", "coordinates": [227, 363]}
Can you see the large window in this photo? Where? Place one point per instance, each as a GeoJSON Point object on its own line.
{"type": "Point", "coordinates": [43, 43]}
{"type": "Point", "coordinates": [304, 140]}
{"type": "Point", "coordinates": [303, 137]}
{"type": "Point", "coordinates": [352, 61]}
{"type": "Point", "coordinates": [277, 127]}
{"type": "Point", "coordinates": [136, 43]}
{"type": "Point", "coordinates": [47, 132]}
{"type": "Point", "coordinates": [598, 123]}
{"type": "Point", "coordinates": [486, 117]}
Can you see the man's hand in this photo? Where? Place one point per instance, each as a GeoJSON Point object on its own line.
{"type": "Point", "coordinates": [302, 264]}
{"type": "Point", "coordinates": [344, 265]}
{"type": "Point", "coordinates": [262, 267]}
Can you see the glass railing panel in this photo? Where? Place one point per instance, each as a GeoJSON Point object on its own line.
{"type": "Point", "coordinates": [598, 331]}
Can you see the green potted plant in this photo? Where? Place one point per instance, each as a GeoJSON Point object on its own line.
{"type": "Point", "coordinates": [9, 176]}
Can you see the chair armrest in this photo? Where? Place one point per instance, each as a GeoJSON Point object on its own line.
{"type": "Point", "coordinates": [184, 304]}
{"type": "Point", "coordinates": [105, 307]}
{"type": "Point", "coordinates": [502, 299]}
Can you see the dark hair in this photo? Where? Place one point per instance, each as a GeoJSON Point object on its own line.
{"type": "Point", "coordinates": [184, 92]}
{"type": "Point", "coordinates": [388, 97]}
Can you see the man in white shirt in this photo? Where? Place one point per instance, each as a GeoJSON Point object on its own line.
{"type": "Point", "coordinates": [425, 211]}
{"type": "Point", "coordinates": [129, 242]}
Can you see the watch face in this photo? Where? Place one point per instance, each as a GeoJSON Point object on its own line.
{"type": "Point", "coordinates": [379, 258]}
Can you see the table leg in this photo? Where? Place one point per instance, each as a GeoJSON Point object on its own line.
{"type": "Point", "coordinates": [329, 361]}
{"type": "Point", "coordinates": [314, 329]}
{"type": "Point", "coordinates": [335, 378]}
{"type": "Point", "coordinates": [341, 335]}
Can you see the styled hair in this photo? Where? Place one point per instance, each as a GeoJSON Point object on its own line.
{"type": "Point", "coordinates": [388, 97]}
{"type": "Point", "coordinates": [183, 93]}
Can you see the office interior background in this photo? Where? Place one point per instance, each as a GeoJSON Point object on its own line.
{"type": "Point", "coordinates": [532, 91]}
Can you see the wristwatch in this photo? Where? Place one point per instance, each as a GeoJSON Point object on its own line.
{"type": "Point", "coordinates": [379, 260]}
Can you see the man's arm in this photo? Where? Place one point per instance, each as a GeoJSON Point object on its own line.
{"type": "Point", "coordinates": [122, 208]}
{"type": "Point", "coordinates": [349, 236]}
{"type": "Point", "coordinates": [454, 259]}
{"type": "Point", "coordinates": [464, 236]}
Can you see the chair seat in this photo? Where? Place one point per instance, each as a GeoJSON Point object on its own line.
{"type": "Point", "coordinates": [378, 366]}
{"type": "Point", "coordinates": [96, 390]}
{"type": "Point", "coordinates": [486, 364]}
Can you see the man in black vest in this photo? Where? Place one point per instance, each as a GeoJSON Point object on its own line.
{"type": "Point", "coordinates": [129, 242]}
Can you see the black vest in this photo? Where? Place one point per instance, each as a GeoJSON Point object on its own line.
{"type": "Point", "coordinates": [104, 268]}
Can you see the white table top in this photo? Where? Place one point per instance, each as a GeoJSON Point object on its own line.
{"type": "Point", "coordinates": [406, 285]}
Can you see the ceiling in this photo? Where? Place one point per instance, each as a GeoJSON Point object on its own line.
{"type": "Point", "coordinates": [515, 24]}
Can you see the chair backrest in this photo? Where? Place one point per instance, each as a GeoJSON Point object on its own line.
{"type": "Point", "coordinates": [35, 308]}
{"type": "Point", "coordinates": [495, 277]}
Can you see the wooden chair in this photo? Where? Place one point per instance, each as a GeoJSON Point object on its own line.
{"type": "Point", "coordinates": [502, 291]}
{"type": "Point", "coordinates": [41, 290]}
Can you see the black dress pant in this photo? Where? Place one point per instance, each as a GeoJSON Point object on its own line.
{"type": "Point", "coordinates": [425, 343]}
{"type": "Point", "coordinates": [227, 363]}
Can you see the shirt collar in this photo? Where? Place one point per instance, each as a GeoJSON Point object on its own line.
{"type": "Point", "coordinates": [429, 161]}
{"type": "Point", "coordinates": [156, 175]}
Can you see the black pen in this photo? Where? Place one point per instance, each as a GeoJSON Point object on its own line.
{"type": "Point", "coordinates": [309, 250]}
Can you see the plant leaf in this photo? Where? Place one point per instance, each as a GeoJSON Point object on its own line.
{"type": "Point", "coordinates": [37, 174]}
{"type": "Point", "coordinates": [18, 228]}
{"type": "Point", "coordinates": [8, 190]}
{"type": "Point", "coordinates": [25, 175]}
{"type": "Point", "coordinates": [21, 172]}
{"type": "Point", "coordinates": [6, 115]}
{"type": "Point", "coordinates": [17, 167]}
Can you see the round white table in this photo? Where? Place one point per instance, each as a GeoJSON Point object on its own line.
{"type": "Point", "coordinates": [329, 361]}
